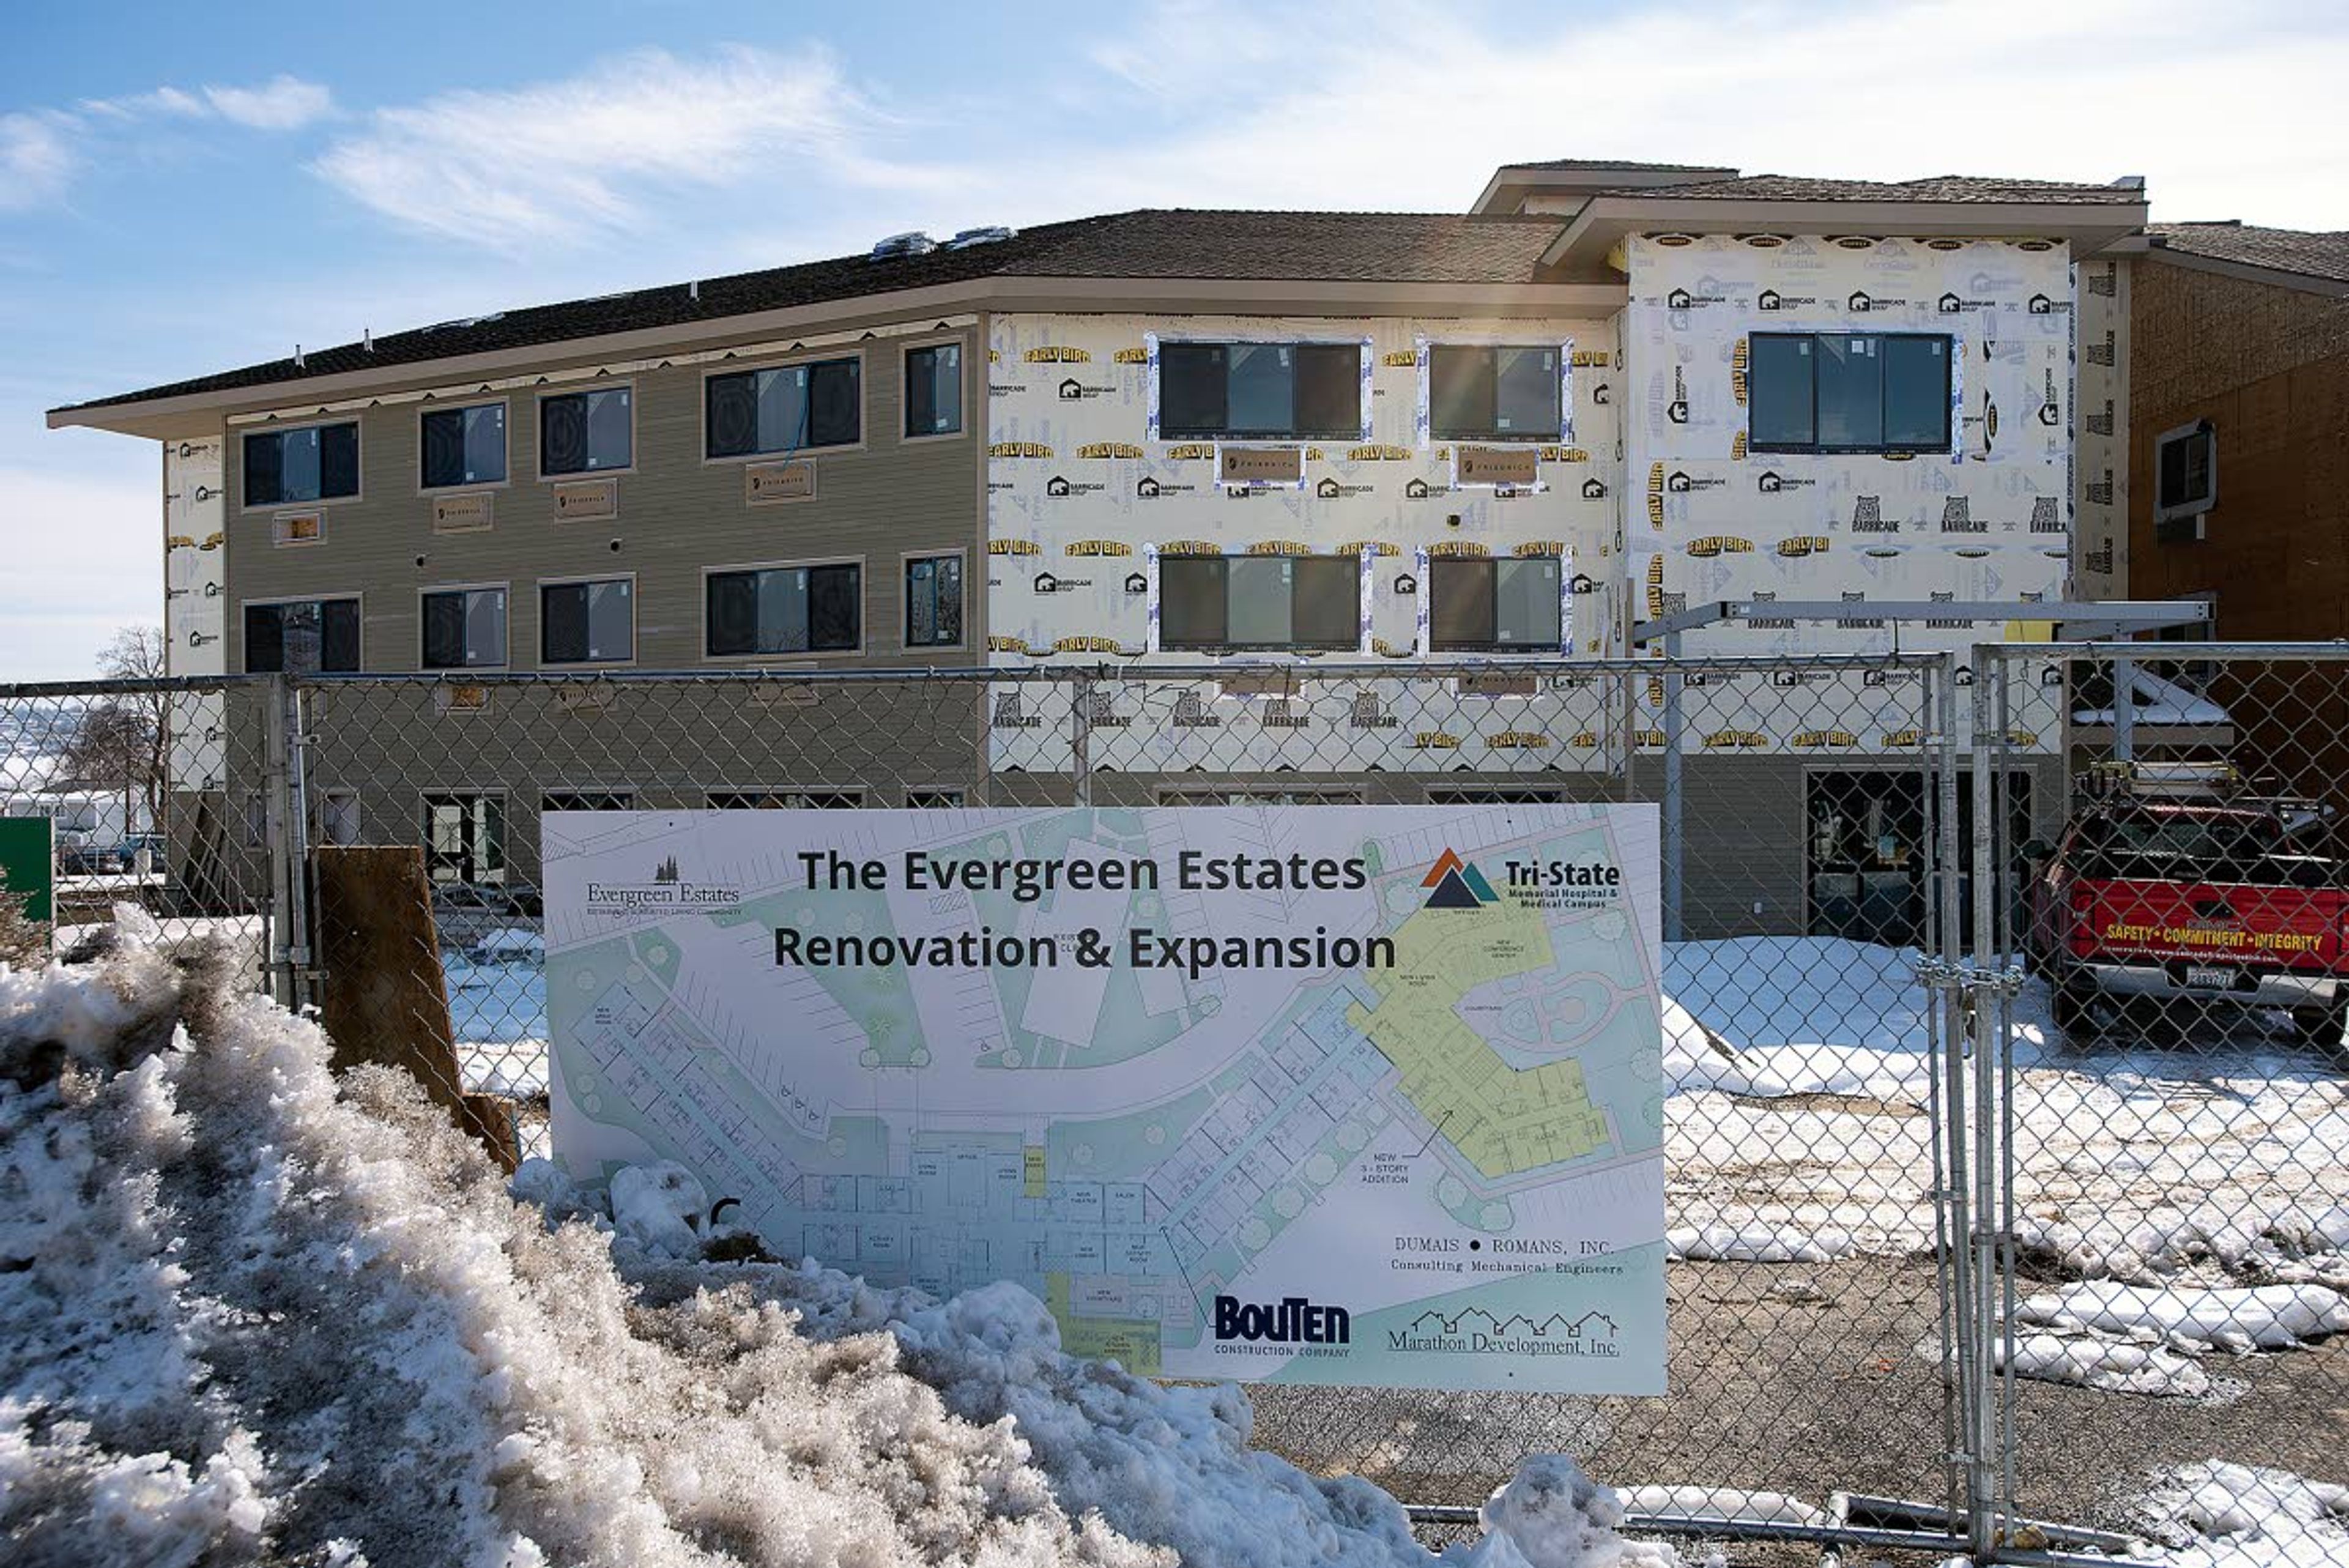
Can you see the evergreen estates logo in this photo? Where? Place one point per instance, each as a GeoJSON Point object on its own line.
{"type": "Point", "coordinates": [1456, 884]}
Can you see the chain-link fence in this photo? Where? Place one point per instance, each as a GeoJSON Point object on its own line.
{"type": "Point", "coordinates": [166, 797]}
{"type": "Point", "coordinates": [1909, 1187]}
{"type": "Point", "coordinates": [2169, 1108]}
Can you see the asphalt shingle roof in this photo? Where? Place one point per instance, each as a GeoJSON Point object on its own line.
{"type": "Point", "coordinates": [1380, 247]}
{"type": "Point", "coordinates": [1934, 187]}
{"type": "Point", "coordinates": [2312, 253]}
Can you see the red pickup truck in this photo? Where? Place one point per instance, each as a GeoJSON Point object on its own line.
{"type": "Point", "coordinates": [2208, 900]}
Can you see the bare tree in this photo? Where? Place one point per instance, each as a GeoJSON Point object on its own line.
{"type": "Point", "coordinates": [124, 741]}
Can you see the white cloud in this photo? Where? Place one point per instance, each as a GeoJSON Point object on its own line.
{"type": "Point", "coordinates": [36, 159]}
{"type": "Point", "coordinates": [284, 103]}
{"type": "Point", "coordinates": [562, 159]}
{"type": "Point", "coordinates": [1404, 106]}
{"type": "Point", "coordinates": [82, 558]}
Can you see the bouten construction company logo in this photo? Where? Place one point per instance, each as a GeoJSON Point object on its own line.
{"type": "Point", "coordinates": [1456, 884]}
{"type": "Point", "coordinates": [1292, 1319]}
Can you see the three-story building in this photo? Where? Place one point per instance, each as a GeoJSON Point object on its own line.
{"type": "Point", "coordinates": [1245, 448]}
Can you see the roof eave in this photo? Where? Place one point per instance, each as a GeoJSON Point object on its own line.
{"type": "Point", "coordinates": [1518, 178]}
{"type": "Point", "coordinates": [1605, 220]}
{"type": "Point", "coordinates": [169, 418]}
{"type": "Point", "coordinates": [2250, 271]}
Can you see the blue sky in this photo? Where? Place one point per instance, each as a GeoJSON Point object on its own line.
{"type": "Point", "coordinates": [181, 192]}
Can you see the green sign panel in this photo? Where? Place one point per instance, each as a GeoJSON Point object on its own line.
{"type": "Point", "coordinates": [28, 865]}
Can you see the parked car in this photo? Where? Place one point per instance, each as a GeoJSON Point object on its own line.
{"type": "Point", "coordinates": [2188, 890]}
{"type": "Point", "coordinates": [80, 854]}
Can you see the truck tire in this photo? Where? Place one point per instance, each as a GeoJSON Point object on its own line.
{"type": "Point", "coordinates": [2323, 1026]}
{"type": "Point", "coordinates": [2074, 1012]}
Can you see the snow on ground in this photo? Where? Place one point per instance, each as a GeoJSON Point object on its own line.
{"type": "Point", "coordinates": [249, 1314]}
{"type": "Point", "coordinates": [2217, 1515]}
{"type": "Point", "coordinates": [2265, 1317]}
{"type": "Point", "coordinates": [2216, 1158]}
{"type": "Point", "coordinates": [2101, 1361]}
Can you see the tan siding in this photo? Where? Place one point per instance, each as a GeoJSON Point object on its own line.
{"type": "Point", "coordinates": [677, 515]}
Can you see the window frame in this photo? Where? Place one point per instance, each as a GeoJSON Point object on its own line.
{"type": "Point", "coordinates": [1814, 448]}
{"type": "Point", "coordinates": [271, 428]}
{"type": "Point", "coordinates": [635, 631]}
{"type": "Point", "coordinates": [471, 797]}
{"type": "Point", "coordinates": [1157, 343]}
{"type": "Point", "coordinates": [2167, 518]}
{"type": "Point", "coordinates": [244, 650]}
{"type": "Point", "coordinates": [904, 610]}
{"type": "Point", "coordinates": [864, 611]}
{"type": "Point", "coordinates": [1493, 646]}
{"type": "Point", "coordinates": [1562, 434]}
{"type": "Point", "coordinates": [781, 793]}
{"type": "Point", "coordinates": [1175, 796]}
{"type": "Point", "coordinates": [505, 659]}
{"type": "Point", "coordinates": [908, 350]}
{"type": "Point", "coordinates": [434, 406]}
{"type": "Point", "coordinates": [1158, 600]}
{"type": "Point", "coordinates": [756, 366]}
{"type": "Point", "coordinates": [960, 791]}
{"type": "Point", "coordinates": [629, 793]}
{"type": "Point", "coordinates": [538, 430]}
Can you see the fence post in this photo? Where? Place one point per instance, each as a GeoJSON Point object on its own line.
{"type": "Point", "coordinates": [1080, 735]}
{"type": "Point", "coordinates": [1981, 1424]}
{"type": "Point", "coordinates": [1949, 1089]}
{"type": "Point", "coordinates": [1671, 802]}
{"type": "Point", "coordinates": [274, 805]}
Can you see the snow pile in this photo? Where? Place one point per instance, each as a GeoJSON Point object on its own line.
{"type": "Point", "coordinates": [248, 1314]}
{"type": "Point", "coordinates": [2218, 1515]}
{"type": "Point", "coordinates": [2239, 1318]}
{"type": "Point", "coordinates": [2097, 1361]}
{"type": "Point", "coordinates": [1759, 1241]}
{"type": "Point", "coordinates": [1796, 1015]}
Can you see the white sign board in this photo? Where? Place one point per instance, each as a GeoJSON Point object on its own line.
{"type": "Point", "coordinates": [1366, 1095]}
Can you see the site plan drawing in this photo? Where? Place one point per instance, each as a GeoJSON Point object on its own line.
{"type": "Point", "coordinates": [1366, 1095]}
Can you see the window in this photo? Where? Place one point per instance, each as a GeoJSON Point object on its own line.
{"type": "Point", "coordinates": [1497, 794]}
{"type": "Point", "coordinates": [934, 390]}
{"type": "Point", "coordinates": [1848, 391]}
{"type": "Point", "coordinates": [934, 601]}
{"type": "Point", "coordinates": [588, 623]}
{"type": "Point", "coordinates": [2185, 480]}
{"type": "Point", "coordinates": [1326, 796]}
{"type": "Point", "coordinates": [339, 817]}
{"type": "Point", "coordinates": [1259, 601]}
{"type": "Point", "coordinates": [305, 637]}
{"type": "Point", "coordinates": [785, 609]}
{"type": "Point", "coordinates": [786, 799]}
{"type": "Point", "coordinates": [751, 413]}
{"type": "Point", "coordinates": [586, 433]}
{"type": "Point", "coordinates": [465, 838]}
{"type": "Point", "coordinates": [933, 800]}
{"type": "Point", "coordinates": [1494, 394]}
{"type": "Point", "coordinates": [465, 629]}
{"type": "Point", "coordinates": [588, 799]}
{"type": "Point", "coordinates": [464, 446]}
{"type": "Point", "coordinates": [320, 464]}
{"type": "Point", "coordinates": [1494, 606]}
{"type": "Point", "coordinates": [1282, 391]}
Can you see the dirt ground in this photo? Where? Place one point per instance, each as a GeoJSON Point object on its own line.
{"type": "Point", "coordinates": [1813, 1379]}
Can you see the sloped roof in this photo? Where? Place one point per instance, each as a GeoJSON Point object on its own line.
{"type": "Point", "coordinates": [2312, 253]}
{"type": "Point", "coordinates": [1381, 247]}
{"type": "Point", "coordinates": [1934, 187]}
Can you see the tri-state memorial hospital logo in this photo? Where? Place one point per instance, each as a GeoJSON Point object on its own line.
{"type": "Point", "coordinates": [1456, 884]}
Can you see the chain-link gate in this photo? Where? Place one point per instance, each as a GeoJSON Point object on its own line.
{"type": "Point", "coordinates": [169, 798]}
{"type": "Point", "coordinates": [1916, 1161]}
{"type": "Point", "coordinates": [2166, 1101]}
